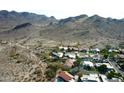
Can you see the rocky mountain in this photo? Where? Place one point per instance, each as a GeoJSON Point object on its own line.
{"type": "Point", "coordinates": [83, 29]}
{"type": "Point", "coordinates": [12, 18]}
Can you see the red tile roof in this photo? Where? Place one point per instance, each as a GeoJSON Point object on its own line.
{"type": "Point", "coordinates": [65, 75]}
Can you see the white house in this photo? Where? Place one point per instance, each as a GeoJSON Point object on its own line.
{"type": "Point", "coordinates": [107, 64]}
{"type": "Point", "coordinates": [115, 80]}
{"type": "Point", "coordinates": [59, 54]}
{"type": "Point", "coordinates": [65, 48]}
{"type": "Point", "coordinates": [96, 49]}
{"type": "Point", "coordinates": [70, 55]}
{"type": "Point", "coordinates": [76, 77]}
{"type": "Point", "coordinates": [88, 63]}
{"type": "Point", "coordinates": [96, 56]}
{"type": "Point", "coordinates": [90, 78]}
{"type": "Point", "coordinates": [104, 78]}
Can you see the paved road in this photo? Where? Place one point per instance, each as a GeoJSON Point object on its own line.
{"type": "Point", "coordinates": [114, 64]}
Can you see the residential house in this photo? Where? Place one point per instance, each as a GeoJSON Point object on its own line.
{"type": "Point", "coordinates": [58, 54]}
{"type": "Point", "coordinates": [88, 63]}
{"type": "Point", "coordinates": [75, 49]}
{"type": "Point", "coordinates": [64, 48]}
{"type": "Point", "coordinates": [115, 80]}
{"type": "Point", "coordinates": [84, 50]}
{"type": "Point", "coordinates": [109, 66]}
{"type": "Point", "coordinates": [86, 58]}
{"type": "Point", "coordinates": [122, 51]}
{"type": "Point", "coordinates": [95, 50]}
{"type": "Point", "coordinates": [120, 61]}
{"type": "Point", "coordinates": [64, 76]}
{"type": "Point", "coordinates": [70, 55]}
{"type": "Point", "coordinates": [121, 56]}
{"type": "Point", "coordinates": [104, 78]}
{"type": "Point", "coordinates": [76, 77]}
{"type": "Point", "coordinates": [113, 50]}
{"type": "Point", "coordinates": [90, 78]}
{"type": "Point", "coordinates": [96, 57]}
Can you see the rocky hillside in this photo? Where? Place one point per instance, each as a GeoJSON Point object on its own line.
{"type": "Point", "coordinates": [19, 63]}
{"type": "Point", "coordinates": [84, 29]}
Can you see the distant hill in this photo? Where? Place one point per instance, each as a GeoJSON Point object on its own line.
{"type": "Point", "coordinates": [83, 29]}
{"type": "Point", "coordinates": [10, 19]}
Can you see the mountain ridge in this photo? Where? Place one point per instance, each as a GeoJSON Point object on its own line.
{"type": "Point", "coordinates": [80, 28]}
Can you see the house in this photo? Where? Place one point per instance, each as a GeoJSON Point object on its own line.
{"type": "Point", "coordinates": [116, 50]}
{"type": "Point", "coordinates": [122, 51]}
{"type": "Point", "coordinates": [84, 56]}
{"type": "Point", "coordinates": [84, 50]}
{"type": "Point", "coordinates": [91, 55]}
{"type": "Point", "coordinates": [77, 54]}
{"type": "Point", "coordinates": [70, 55]}
{"type": "Point", "coordinates": [59, 54]}
{"type": "Point", "coordinates": [64, 76]}
{"type": "Point", "coordinates": [96, 57]}
{"type": "Point", "coordinates": [95, 50]}
{"type": "Point", "coordinates": [110, 50]}
{"type": "Point", "coordinates": [64, 48]}
{"type": "Point", "coordinates": [115, 80]}
{"type": "Point", "coordinates": [69, 62]}
{"type": "Point", "coordinates": [121, 56]}
{"type": "Point", "coordinates": [120, 61]}
{"type": "Point", "coordinates": [109, 66]}
{"type": "Point", "coordinates": [113, 50]}
{"type": "Point", "coordinates": [76, 77]}
{"type": "Point", "coordinates": [3, 42]}
{"type": "Point", "coordinates": [104, 78]}
{"type": "Point", "coordinates": [88, 63]}
{"type": "Point", "coordinates": [75, 49]}
{"type": "Point", "coordinates": [90, 78]}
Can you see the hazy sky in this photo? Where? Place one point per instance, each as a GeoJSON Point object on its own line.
{"type": "Point", "coordinates": [66, 8]}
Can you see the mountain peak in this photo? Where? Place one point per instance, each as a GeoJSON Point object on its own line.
{"type": "Point", "coordinates": [95, 17]}
{"type": "Point", "coordinates": [82, 16]}
{"type": "Point", "coordinates": [3, 11]}
{"type": "Point", "coordinates": [25, 17]}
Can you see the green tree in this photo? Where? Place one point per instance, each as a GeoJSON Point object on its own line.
{"type": "Point", "coordinates": [105, 53]}
{"type": "Point", "coordinates": [110, 75]}
{"type": "Point", "coordinates": [50, 74]}
{"type": "Point", "coordinates": [80, 74]}
{"type": "Point", "coordinates": [78, 61]}
{"type": "Point", "coordinates": [112, 55]}
{"type": "Point", "coordinates": [113, 74]}
{"type": "Point", "coordinates": [102, 69]}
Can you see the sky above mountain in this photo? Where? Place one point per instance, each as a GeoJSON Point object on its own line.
{"type": "Point", "coordinates": [66, 8]}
